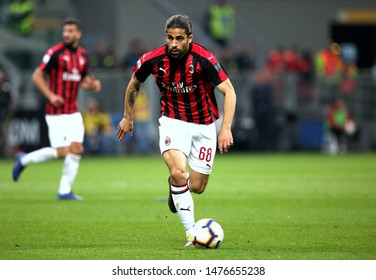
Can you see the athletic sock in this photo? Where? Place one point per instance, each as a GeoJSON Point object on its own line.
{"type": "Point", "coordinates": [184, 205]}
{"type": "Point", "coordinates": [70, 169]}
{"type": "Point", "coordinates": [38, 156]}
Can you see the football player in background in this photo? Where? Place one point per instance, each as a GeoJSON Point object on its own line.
{"type": "Point", "coordinates": [66, 68]}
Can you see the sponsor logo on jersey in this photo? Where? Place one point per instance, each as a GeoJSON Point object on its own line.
{"type": "Point", "coordinates": [179, 87]}
{"type": "Point", "coordinates": [75, 76]}
{"type": "Point", "coordinates": [163, 70]}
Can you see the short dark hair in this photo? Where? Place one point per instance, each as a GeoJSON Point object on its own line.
{"type": "Point", "coordinates": [72, 20]}
{"type": "Point", "coordinates": [179, 21]}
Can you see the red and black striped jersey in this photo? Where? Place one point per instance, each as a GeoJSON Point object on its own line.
{"type": "Point", "coordinates": [187, 84]}
{"type": "Point", "coordinates": [65, 67]}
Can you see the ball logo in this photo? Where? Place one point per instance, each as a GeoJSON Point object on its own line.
{"type": "Point", "coordinates": [167, 141]}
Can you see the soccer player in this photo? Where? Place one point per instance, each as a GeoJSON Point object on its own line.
{"type": "Point", "coordinates": [186, 74]}
{"type": "Point", "coordinates": [66, 68]}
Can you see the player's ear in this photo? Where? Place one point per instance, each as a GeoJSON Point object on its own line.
{"type": "Point", "coordinates": [190, 38]}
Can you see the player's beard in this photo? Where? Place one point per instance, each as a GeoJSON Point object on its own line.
{"type": "Point", "coordinates": [70, 42]}
{"type": "Point", "coordinates": [176, 53]}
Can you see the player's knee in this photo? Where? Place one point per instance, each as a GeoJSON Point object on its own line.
{"type": "Point", "coordinates": [178, 177]}
{"type": "Point", "coordinates": [76, 148]}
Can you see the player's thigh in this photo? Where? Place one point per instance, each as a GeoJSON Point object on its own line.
{"type": "Point", "coordinates": [204, 145]}
{"type": "Point", "coordinates": [174, 135]}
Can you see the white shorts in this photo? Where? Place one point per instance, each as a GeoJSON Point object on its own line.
{"type": "Point", "coordinates": [197, 141]}
{"type": "Point", "coordinates": [65, 129]}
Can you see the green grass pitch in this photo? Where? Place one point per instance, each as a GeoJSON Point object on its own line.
{"type": "Point", "coordinates": [303, 206]}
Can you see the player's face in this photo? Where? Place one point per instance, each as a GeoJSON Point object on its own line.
{"type": "Point", "coordinates": [71, 35]}
{"type": "Point", "coordinates": [177, 42]}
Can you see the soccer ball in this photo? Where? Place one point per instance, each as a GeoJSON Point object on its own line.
{"type": "Point", "coordinates": [207, 233]}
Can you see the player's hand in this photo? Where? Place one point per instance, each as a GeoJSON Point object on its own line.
{"type": "Point", "coordinates": [225, 140]}
{"type": "Point", "coordinates": [125, 126]}
{"type": "Point", "coordinates": [56, 100]}
{"type": "Point", "coordinates": [96, 84]}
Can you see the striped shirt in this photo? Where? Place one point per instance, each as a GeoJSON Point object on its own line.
{"type": "Point", "coordinates": [187, 84]}
{"type": "Point", "coordinates": [65, 67]}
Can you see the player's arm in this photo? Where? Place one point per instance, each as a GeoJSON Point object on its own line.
{"type": "Point", "coordinates": [225, 140]}
{"type": "Point", "coordinates": [41, 84]}
{"type": "Point", "coordinates": [131, 93]}
{"type": "Point", "coordinates": [91, 83]}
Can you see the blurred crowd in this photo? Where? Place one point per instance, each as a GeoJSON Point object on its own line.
{"type": "Point", "coordinates": [334, 66]}
{"type": "Point", "coordinates": [6, 112]}
{"type": "Point", "coordinates": [19, 16]}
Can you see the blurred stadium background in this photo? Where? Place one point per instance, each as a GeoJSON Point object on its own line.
{"type": "Point", "coordinates": [296, 27]}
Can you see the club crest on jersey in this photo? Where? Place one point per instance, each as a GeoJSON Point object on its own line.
{"type": "Point", "coordinates": [75, 76]}
{"type": "Point", "coordinates": [167, 141]}
{"type": "Point", "coordinates": [191, 68]}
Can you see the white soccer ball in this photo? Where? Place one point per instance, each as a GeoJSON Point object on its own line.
{"type": "Point", "coordinates": [207, 233]}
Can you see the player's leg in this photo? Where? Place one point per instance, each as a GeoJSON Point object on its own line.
{"type": "Point", "coordinates": [44, 154]}
{"type": "Point", "coordinates": [201, 157]}
{"type": "Point", "coordinates": [335, 142]}
{"type": "Point", "coordinates": [197, 181]}
{"type": "Point", "coordinates": [181, 195]}
{"type": "Point", "coordinates": [175, 141]}
{"type": "Point", "coordinates": [69, 172]}
{"type": "Point", "coordinates": [74, 133]}
{"type": "Point", "coordinates": [37, 156]}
